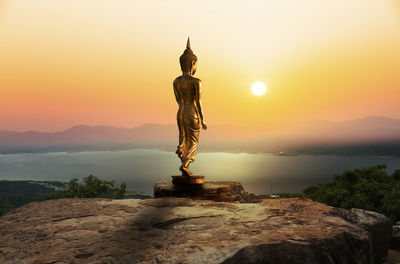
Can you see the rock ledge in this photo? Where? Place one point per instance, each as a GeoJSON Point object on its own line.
{"type": "Point", "coordinates": [181, 230]}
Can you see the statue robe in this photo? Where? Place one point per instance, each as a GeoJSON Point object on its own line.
{"type": "Point", "coordinates": [186, 92]}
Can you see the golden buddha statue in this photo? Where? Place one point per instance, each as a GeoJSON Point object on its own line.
{"type": "Point", "coordinates": [190, 117]}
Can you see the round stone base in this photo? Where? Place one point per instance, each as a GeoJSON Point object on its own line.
{"type": "Point", "coordinates": [185, 180]}
{"type": "Point", "coordinates": [216, 191]}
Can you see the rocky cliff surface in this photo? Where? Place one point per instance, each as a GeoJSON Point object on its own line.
{"type": "Point", "coordinates": [181, 230]}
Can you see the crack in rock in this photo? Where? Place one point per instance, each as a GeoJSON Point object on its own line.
{"type": "Point", "coordinates": [168, 223]}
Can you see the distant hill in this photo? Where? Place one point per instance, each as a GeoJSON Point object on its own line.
{"type": "Point", "coordinates": [85, 137]}
{"type": "Point", "coordinates": [368, 130]}
{"type": "Point", "coordinates": [373, 128]}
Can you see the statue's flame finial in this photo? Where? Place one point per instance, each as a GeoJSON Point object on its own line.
{"type": "Point", "coordinates": [188, 43]}
{"type": "Point", "coordinates": [187, 58]}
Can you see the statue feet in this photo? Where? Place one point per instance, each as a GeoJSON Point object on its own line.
{"type": "Point", "coordinates": [185, 171]}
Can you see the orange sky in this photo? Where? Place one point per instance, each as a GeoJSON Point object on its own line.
{"type": "Point", "coordinates": [64, 63]}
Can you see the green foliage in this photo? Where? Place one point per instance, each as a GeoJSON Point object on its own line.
{"type": "Point", "coordinates": [92, 187]}
{"type": "Point", "coordinates": [369, 188]}
{"type": "Point", "coordinates": [14, 194]}
{"type": "Point", "coordinates": [119, 194]}
{"type": "Point", "coordinates": [290, 195]}
{"type": "Point", "coordinates": [5, 206]}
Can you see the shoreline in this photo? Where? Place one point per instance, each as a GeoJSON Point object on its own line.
{"type": "Point", "coordinates": [280, 154]}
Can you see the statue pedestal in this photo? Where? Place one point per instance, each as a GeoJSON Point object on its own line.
{"type": "Point", "coordinates": [185, 180]}
{"type": "Point", "coordinates": [216, 191]}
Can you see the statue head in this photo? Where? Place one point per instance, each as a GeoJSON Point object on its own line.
{"type": "Point", "coordinates": [188, 60]}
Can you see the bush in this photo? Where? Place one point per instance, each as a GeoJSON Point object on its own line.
{"type": "Point", "coordinates": [5, 206]}
{"type": "Point", "coordinates": [369, 188]}
{"type": "Point", "coordinates": [92, 188]}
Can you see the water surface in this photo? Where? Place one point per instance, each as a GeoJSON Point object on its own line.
{"type": "Point", "coordinates": [141, 168]}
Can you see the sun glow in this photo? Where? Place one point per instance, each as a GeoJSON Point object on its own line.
{"type": "Point", "coordinates": [258, 88]}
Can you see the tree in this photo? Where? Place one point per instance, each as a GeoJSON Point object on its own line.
{"type": "Point", "coordinates": [369, 188]}
{"type": "Point", "coordinates": [5, 206]}
{"type": "Point", "coordinates": [119, 194]}
{"type": "Point", "coordinates": [92, 187]}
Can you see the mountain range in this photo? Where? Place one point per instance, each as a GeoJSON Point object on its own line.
{"type": "Point", "coordinates": [368, 130]}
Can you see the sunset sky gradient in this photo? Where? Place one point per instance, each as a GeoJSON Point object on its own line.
{"type": "Point", "coordinates": [99, 62]}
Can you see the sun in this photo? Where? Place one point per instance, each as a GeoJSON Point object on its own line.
{"type": "Point", "coordinates": [258, 88]}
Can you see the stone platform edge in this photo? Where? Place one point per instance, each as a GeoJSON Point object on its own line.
{"type": "Point", "coordinates": [227, 191]}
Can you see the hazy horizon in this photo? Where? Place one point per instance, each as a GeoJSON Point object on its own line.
{"type": "Point", "coordinates": [281, 126]}
{"type": "Point", "coordinates": [372, 136]}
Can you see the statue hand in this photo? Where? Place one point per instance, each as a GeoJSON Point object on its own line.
{"type": "Point", "coordinates": [204, 125]}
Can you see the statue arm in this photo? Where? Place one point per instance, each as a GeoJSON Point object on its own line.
{"type": "Point", "coordinates": [199, 106]}
{"type": "Point", "coordinates": [176, 93]}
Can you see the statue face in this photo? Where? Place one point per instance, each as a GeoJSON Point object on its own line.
{"type": "Point", "coordinates": [194, 67]}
